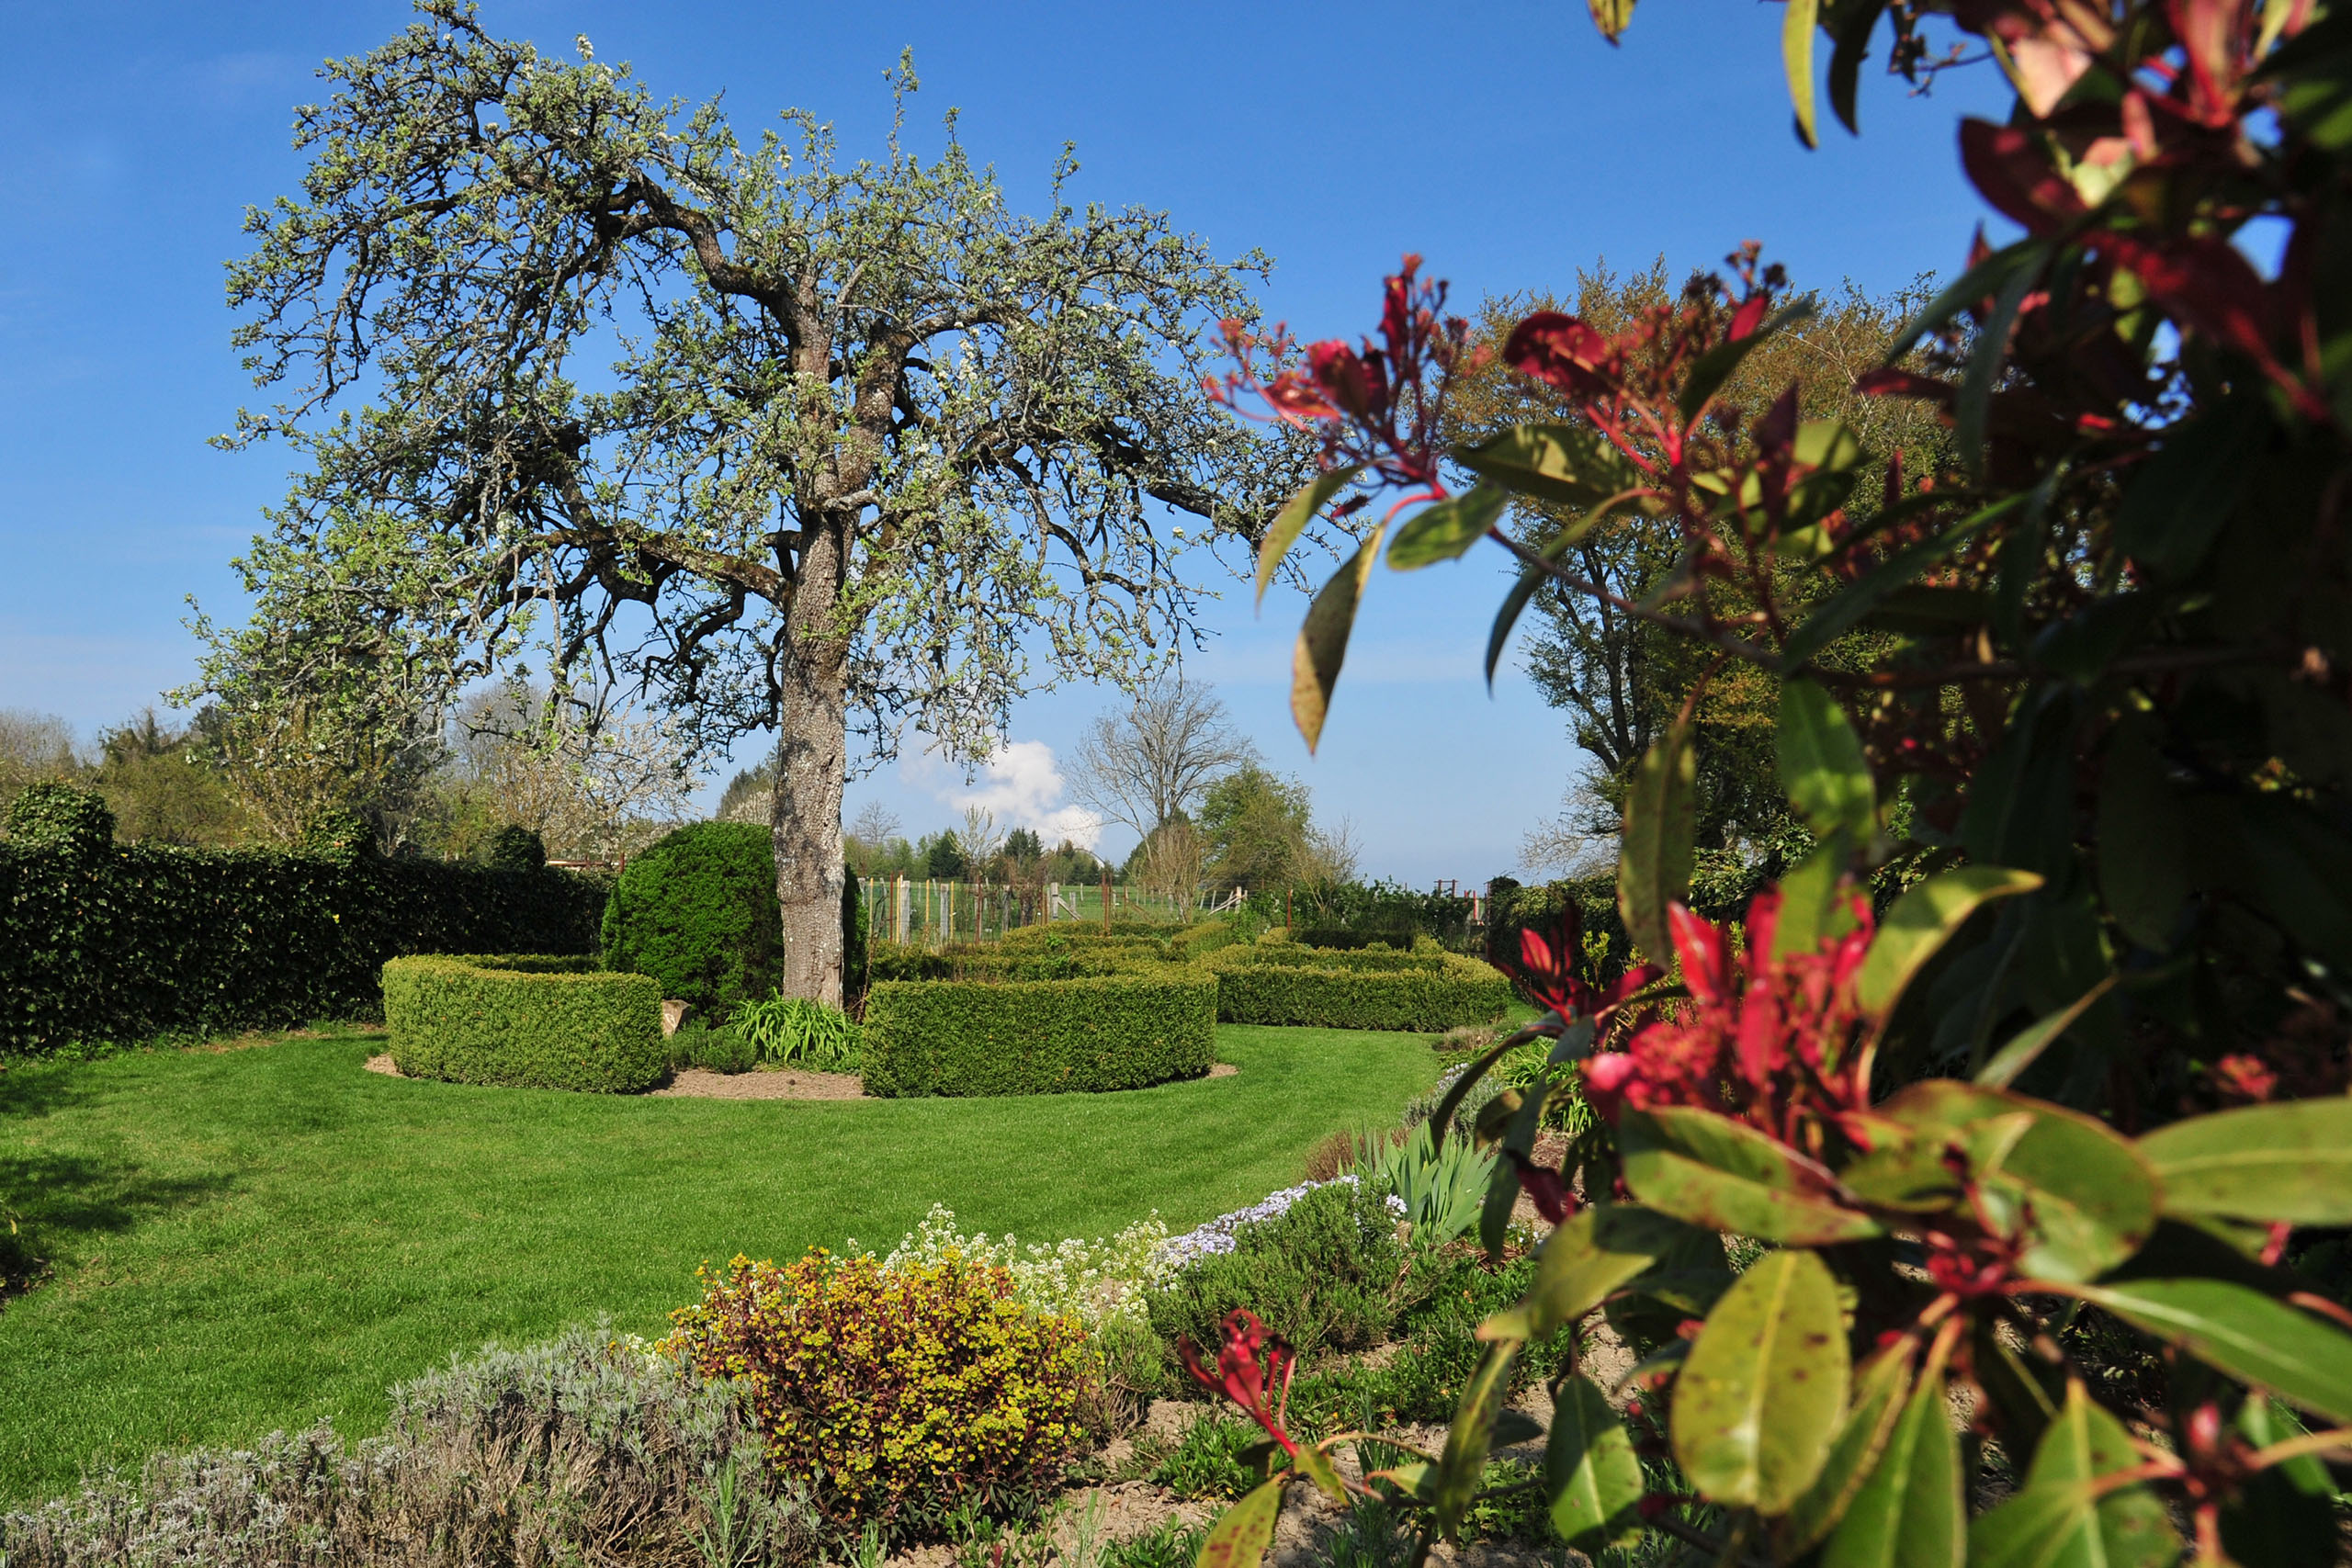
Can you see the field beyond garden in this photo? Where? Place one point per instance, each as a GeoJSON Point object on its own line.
{"type": "Point", "coordinates": [258, 1238]}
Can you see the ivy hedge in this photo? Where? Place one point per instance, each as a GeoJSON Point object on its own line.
{"type": "Point", "coordinates": [471, 1020]}
{"type": "Point", "coordinates": [1106, 1032]}
{"type": "Point", "coordinates": [1454, 991]}
{"type": "Point", "coordinates": [106, 943]}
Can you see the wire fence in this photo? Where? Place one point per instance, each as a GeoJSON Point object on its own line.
{"type": "Point", "coordinates": [927, 913]}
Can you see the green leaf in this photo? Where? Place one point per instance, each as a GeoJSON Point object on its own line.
{"type": "Point", "coordinates": [1293, 519]}
{"type": "Point", "coordinates": [1239, 1540]}
{"type": "Point", "coordinates": [1323, 641]}
{"type": "Point", "coordinates": [1612, 16]}
{"type": "Point", "coordinates": [1796, 59]}
{"type": "Point", "coordinates": [2078, 1197]}
{"type": "Point", "coordinates": [1316, 1465]}
{"type": "Point", "coordinates": [1987, 276]}
{"type": "Point", "coordinates": [1724, 1175]}
{"type": "Point", "coordinates": [1654, 858]}
{"type": "Point", "coordinates": [1512, 1428]}
{"type": "Point", "coordinates": [1444, 531]}
{"type": "Point", "coordinates": [1860, 598]}
{"type": "Point", "coordinates": [1442, 1117]}
{"type": "Point", "coordinates": [1850, 25]}
{"type": "Point", "coordinates": [2289, 1162]}
{"type": "Point", "coordinates": [1471, 1438]}
{"type": "Point", "coordinates": [1571, 464]}
{"type": "Point", "coordinates": [2143, 836]}
{"type": "Point", "coordinates": [1922, 920]}
{"type": "Point", "coordinates": [2025, 1047]}
{"type": "Point", "coordinates": [1823, 769]}
{"type": "Point", "coordinates": [2284, 1513]}
{"type": "Point", "coordinates": [1412, 1478]}
{"type": "Point", "coordinates": [1599, 1249]}
{"type": "Point", "coordinates": [1713, 368]}
{"type": "Point", "coordinates": [2177, 501]}
{"type": "Point", "coordinates": [1530, 577]}
{"type": "Point", "coordinates": [1759, 1398]}
{"type": "Point", "coordinates": [1816, 899]}
{"type": "Point", "coordinates": [2060, 1518]}
{"type": "Point", "coordinates": [1986, 355]}
{"type": "Point", "coordinates": [2025, 1394]}
{"type": "Point", "coordinates": [2244, 1332]}
{"type": "Point", "coordinates": [1589, 1470]}
{"type": "Point", "coordinates": [1880, 1387]}
{"type": "Point", "coordinates": [1925, 610]}
{"type": "Point", "coordinates": [1910, 1513]}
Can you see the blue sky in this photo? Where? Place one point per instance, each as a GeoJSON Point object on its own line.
{"type": "Point", "coordinates": [1504, 142]}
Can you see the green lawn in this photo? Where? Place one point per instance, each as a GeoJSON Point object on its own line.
{"type": "Point", "coordinates": [258, 1238]}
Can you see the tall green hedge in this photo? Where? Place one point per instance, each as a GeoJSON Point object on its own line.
{"type": "Point", "coordinates": [114, 944]}
{"type": "Point", "coordinates": [1461, 990]}
{"type": "Point", "coordinates": [1040, 1037]}
{"type": "Point", "coordinates": [465, 1021]}
{"type": "Point", "coordinates": [697, 911]}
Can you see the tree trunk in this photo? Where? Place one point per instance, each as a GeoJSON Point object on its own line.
{"type": "Point", "coordinates": [811, 762]}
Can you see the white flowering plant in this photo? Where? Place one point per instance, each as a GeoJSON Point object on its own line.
{"type": "Point", "coordinates": [1095, 1281]}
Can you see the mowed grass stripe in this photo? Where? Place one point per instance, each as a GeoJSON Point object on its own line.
{"type": "Point", "coordinates": [265, 1239]}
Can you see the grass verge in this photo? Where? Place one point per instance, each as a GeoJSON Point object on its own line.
{"type": "Point", "coordinates": [257, 1239]}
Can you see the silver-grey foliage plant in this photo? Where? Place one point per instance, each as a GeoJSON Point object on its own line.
{"type": "Point", "coordinates": [580, 1451]}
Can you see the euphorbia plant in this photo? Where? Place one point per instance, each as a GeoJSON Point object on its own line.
{"type": "Point", "coordinates": [2083, 694]}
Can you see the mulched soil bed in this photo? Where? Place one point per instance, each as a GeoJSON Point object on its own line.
{"type": "Point", "coordinates": [765, 1083]}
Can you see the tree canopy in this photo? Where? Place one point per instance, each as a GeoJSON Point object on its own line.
{"type": "Point", "coordinates": [861, 442]}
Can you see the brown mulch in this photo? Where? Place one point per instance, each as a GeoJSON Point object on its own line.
{"type": "Point", "coordinates": [788, 1083]}
{"type": "Point", "coordinates": [791, 1083]}
{"type": "Point", "coordinates": [694, 1083]}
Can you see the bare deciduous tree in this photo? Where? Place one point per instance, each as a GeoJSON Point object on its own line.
{"type": "Point", "coordinates": [1174, 859]}
{"type": "Point", "coordinates": [1143, 766]}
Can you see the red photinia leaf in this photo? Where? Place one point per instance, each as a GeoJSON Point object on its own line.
{"type": "Point", "coordinates": [1294, 395]}
{"type": "Point", "coordinates": [1605, 1078]}
{"type": "Point", "coordinates": [1749, 317]}
{"type": "Point", "coordinates": [1559, 349]}
{"type": "Point", "coordinates": [2207, 284]}
{"type": "Point", "coordinates": [1397, 304]}
{"type": "Point", "coordinates": [1239, 1375]}
{"type": "Point", "coordinates": [1553, 1200]}
{"type": "Point", "coordinates": [2010, 171]}
{"type": "Point", "coordinates": [1893, 383]}
{"type": "Point", "coordinates": [1355, 383]}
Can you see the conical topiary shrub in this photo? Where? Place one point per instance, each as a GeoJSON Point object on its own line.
{"type": "Point", "coordinates": [697, 911]}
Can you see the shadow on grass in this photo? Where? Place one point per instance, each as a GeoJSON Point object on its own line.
{"type": "Point", "coordinates": [48, 1202]}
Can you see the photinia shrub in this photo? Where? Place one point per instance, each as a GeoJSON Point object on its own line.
{"type": "Point", "coordinates": [2045, 1027]}
{"type": "Point", "coordinates": [897, 1395]}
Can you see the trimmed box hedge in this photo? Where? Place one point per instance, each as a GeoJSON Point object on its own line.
{"type": "Point", "coordinates": [1455, 991]}
{"type": "Point", "coordinates": [471, 1019]}
{"type": "Point", "coordinates": [1298, 957]}
{"type": "Point", "coordinates": [1040, 1036]}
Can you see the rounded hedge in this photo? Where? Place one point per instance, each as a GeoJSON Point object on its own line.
{"type": "Point", "coordinates": [697, 911]}
{"type": "Point", "coordinates": [544, 1025]}
{"type": "Point", "coordinates": [1106, 1032]}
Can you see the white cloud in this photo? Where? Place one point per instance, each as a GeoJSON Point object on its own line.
{"type": "Point", "coordinates": [1020, 784]}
